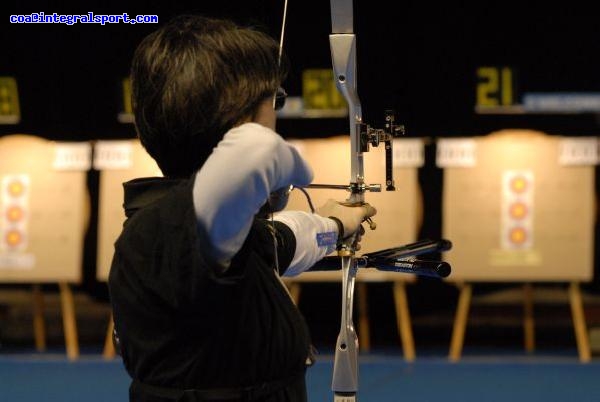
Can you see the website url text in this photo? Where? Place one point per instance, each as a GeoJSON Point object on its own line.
{"type": "Point", "coordinates": [89, 18]}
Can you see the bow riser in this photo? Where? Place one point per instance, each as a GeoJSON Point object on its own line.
{"type": "Point", "coordinates": [343, 57]}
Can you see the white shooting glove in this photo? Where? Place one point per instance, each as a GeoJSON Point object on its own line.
{"type": "Point", "coordinates": [350, 217]}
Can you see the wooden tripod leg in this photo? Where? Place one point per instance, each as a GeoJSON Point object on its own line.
{"type": "Point", "coordinates": [295, 290]}
{"type": "Point", "coordinates": [403, 321]}
{"type": "Point", "coordinates": [528, 320]}
{"type": "Point", "coordinates": [581, 335]}
{"type": "Point", "coordinates": [109, 348]}
{"type": "Point", "coordinates": [39, 324]}
{"type": "Point", "coordinates": [69, 322]}
{"type": "Point", "coordinates": [364, 334]}
{"type": "Point", "coordinates": [460, 323]}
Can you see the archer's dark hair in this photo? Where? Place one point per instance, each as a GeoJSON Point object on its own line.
{"type": "Point", "coordinates": [193, 80]}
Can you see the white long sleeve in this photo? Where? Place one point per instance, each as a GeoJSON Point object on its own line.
{"type": "Point", "coordinates": [248, 164]}
{"type": "Point", "coordinates": [316, 237]}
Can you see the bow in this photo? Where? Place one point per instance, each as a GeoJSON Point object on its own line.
{"type": "Point", "coordinates": [400, 259]}
{"type": "Point", "coordinates": [343, 55]}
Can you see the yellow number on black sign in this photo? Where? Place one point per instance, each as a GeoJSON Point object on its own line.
{"type": "Point", "coordinates": [495, 86]}
{"type": "Point", "coordinates": [319, 90]}
{"type": "Point", "coordinates": [9, 100]}
{"type": "Point", "coordinates": [127, 96]}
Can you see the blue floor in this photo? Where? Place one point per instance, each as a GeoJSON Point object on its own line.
{"type": "Point", "coordinates": [382, 378]}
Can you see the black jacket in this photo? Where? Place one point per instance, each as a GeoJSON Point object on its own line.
{"type": "Point", "coordinates": [184, 324]}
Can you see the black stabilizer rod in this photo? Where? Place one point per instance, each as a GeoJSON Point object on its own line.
{"type": "Point", "coordinates": [435, 269]}
{"type": "Point", "coordinates": [412, 249]}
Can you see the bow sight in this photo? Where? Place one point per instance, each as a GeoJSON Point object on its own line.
{"type": "Point", "coordinates": [374, 136]}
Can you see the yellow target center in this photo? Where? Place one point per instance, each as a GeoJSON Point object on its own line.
{"type": "Point", "coordinates": [14, 214]}
{"type": "Point", "coordinates": [518, 235]}
{"type": "Point", "coordinates": [518, 210]}
{"type": "Point", "coordinates": [518, 184]}
{"type": "Point", "coordinates": [13, 238]}
{"type": "Point", "coordinates": [16, 188]}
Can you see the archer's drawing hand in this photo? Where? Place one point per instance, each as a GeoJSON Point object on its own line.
{"type": "Point", "coordinates": [350, 217]}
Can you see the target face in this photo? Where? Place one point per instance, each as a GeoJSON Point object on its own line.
{"type": "Point", "coordinates": [14, 206]}
{"type": "Point", "coordinates": [15, 213]}
{"type": "Point", "coordinates": [15, 188]}
{"type": "Point", "coordinates": [517, 235]}
{"type": "Point", "coordinates": [14, 238]}
{"type": "Point", "coordinates": [518, 184]}
{"type": "Point", "coordinates": [518, 210]}
{"type": "Point", "coordinates": [516, 226]}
